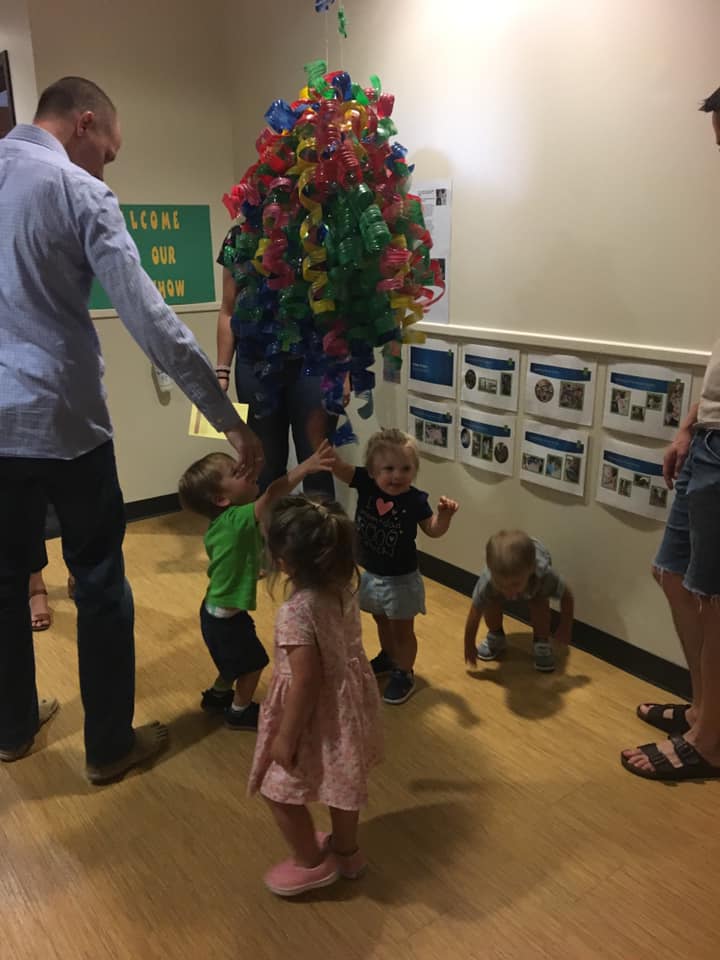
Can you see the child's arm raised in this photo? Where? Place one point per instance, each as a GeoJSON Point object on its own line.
{"type": "Point", "coordinates": [437, 525]}
{"type": "Point", "coordinates": [563, 634]}
{"type": "Point", "coordinates": [342, 470]}
{"type": "Point", "coordinates": [472, 625]}
{"type": "Point", "coordinates": [322, 459]}
{"type": "Point", "coordinates": [299, 703]}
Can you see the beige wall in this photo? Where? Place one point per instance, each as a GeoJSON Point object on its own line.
{"type": "Point", "coordinates": [15, 38]}
{"type": "Point", "coordinates": [163, 64]}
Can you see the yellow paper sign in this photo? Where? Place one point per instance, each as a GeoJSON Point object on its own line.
{"type": "Point", "coordinates": [199, 426]}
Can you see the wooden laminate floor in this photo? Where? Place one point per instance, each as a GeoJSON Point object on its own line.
{"type": "Point", "coordinates": [501, 824]}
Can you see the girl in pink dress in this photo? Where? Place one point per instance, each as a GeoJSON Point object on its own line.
{"type": "Point", "coordinates": [319, 731]}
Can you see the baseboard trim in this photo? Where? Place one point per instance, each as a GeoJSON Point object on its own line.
{"type": "Point", "coordinates": [152, 507]}
{"type": "Point", "coordinates": [640, 663]}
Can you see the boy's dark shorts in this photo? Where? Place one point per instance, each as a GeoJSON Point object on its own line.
{"type": "Point", "coordinates": [233, 644]}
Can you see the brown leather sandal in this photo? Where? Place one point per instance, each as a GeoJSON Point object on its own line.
{"type": "Point", "coordinates": [39, 621]}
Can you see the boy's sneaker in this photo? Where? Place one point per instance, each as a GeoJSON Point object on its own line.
{"type": "Point", "coordinates": [246, 719]}
{"type": "Point", "coordinates": [400, 686]}
{"type": "Point", "coordinates": [492, 647]}
{"type": "Point", "coordinates": [382, 664]}
{"type": "Point", "coordinates": [544, 656]}
{"type": "Point", "coordinates": [216, 701]}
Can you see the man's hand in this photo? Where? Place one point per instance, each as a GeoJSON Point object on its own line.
{"type": "Point", "coordinates": [283, 752]}
{"type": "Point", "coordinates": [248, 448]}
{"type": "Point", "coordinates": [675, 457]}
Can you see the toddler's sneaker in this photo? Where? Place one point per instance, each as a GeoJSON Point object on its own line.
{"type": "Point", "coordinates": [216, 701]}
{"type": "Point", "coordinates": [382, 664]}
{"type": "Point", "coordinates": [400, 686]}
{"type": "Point", "coordinates": [288, 879]}
{"type": "Point", "coordinates": [493, 646]}
{"type": "Point", "coordinates": [246, 719]}
{"type": "Point", "coordinates": [350, 867]}
{"type": "Point", "coordinates": [544, 656]}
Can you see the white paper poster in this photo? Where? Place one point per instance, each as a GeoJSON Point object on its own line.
{"type": "Point", "coordinates": [631, 479]}
{"type": "Point", "coordinates": [433, 368]}
{"type": "Point", "coordinates": [646, 399]}
{"type": "Point", "coordinates": [554, 456]}
{"type": "Point", "coordinates": [561, 388]}
{"type": "Point", "coordinates": [490, 376]}
{"type": "Point", "coordinates": [436, 199]}
{"type": "Point", "coordinates": [487, 440]}
{"type": "Point", "coordinates": [433, 425]}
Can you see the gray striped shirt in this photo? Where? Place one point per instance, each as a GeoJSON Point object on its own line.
{"type": "Point", "coordinates": [59, 226]}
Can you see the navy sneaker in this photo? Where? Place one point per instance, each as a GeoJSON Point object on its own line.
{"type": "Point", "coordinates": [544, 656]}
{"type": "Point", "coordinates": [493, 646]}
{"type": "Point", "coordinates": [400, 686]}
{"type": "Point", "coordinates": [246, 719]}
{"type": "Point", "coordinates": [216, 701]}
{"type": "Point", "coordinates": [382, 664]}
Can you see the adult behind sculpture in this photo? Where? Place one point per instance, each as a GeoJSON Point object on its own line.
{"type": "Point", "coordinates": [59, 226]}
{"type": "Point", "coordinates": [687, 568]}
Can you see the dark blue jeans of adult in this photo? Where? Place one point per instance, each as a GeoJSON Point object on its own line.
{"type": "Point", "coordinates": [88, 501]}
{"type": "Point", "coordinates": [298, 397]}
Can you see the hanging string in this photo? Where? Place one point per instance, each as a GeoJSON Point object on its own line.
{"type": "Point", "coordinates": [327, 35]}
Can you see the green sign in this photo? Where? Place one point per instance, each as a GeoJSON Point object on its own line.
{"type": "Point", "coordinates": [176, 250]}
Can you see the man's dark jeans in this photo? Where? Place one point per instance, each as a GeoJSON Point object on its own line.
{"type": "Point", "coordinates": [88, 501]}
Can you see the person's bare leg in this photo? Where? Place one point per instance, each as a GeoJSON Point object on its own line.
{"type": "Point", "coordinates": [405, 643]}
{"type": "Point", "coordinates": [685, 610]}
{"type": "Point", "coordinates": [385, 636]}
{"type": "Point", "coordinates": [296, 826]}
{"type": "Point", "coordinates": [245, 688]}
{"type": "Point", "coordinates": [540, 618]}
{"type": "Point", "coordinates": [344, 831]}
{"type": "Point", "coordinates": [493, 613]}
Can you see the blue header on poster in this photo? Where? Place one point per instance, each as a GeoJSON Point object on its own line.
{"type": "Point", "coordinates": [559, 373]}
{"type": "Point", "coordinates": [431, 415]}
{"type": "Point", "coordinates": [554, 443]}
{"type": "Point", "coordinates": [490, 430]}
{"type": "Point", "coordinates": [640, 383]}
{"type": "Point", "coordinates": [632, 463]}
{"type": "Point", "coordinates": [432, 366]}
{"type": "Point", "coordinates": [489, 363]}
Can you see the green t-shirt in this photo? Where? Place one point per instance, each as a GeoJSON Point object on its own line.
{"type": "Point", "coordinates": [233, 545]}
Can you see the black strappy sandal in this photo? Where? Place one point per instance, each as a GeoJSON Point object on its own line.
{"type": "Point", "coordinates": [693, 766]}
{"type": "Point", "coordinates": [675, 724]}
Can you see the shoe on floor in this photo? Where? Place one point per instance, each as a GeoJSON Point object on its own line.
{"type": "Point", "coordinates": [400, 686]}
{"type": "Point", "coordinates": [382, 664]}
{"type": "Point", "coordinates": [288, 879]}
{"type": "Point", "coordinates": [46, 710]}
{"type": "Point", "coordinates": [492, 647]}
{"type": "Point", "coordinates": [544, 656]}
{"type": "Point", "coordinates": [246, 719]}
{"type": "Point", "coordinates": [351, 867]}
{"type": "Point", "coordinates": [216, 701]}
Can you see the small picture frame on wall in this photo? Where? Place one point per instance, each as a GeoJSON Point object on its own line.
{"type": "Point", "coordinates": [7, 106]}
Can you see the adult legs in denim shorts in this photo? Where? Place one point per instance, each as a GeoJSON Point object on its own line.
{"type": "Point", "coordinates": [687, 567]}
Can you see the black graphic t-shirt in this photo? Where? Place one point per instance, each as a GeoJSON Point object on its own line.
{"type": "Point", "coordinates": [387, 526]}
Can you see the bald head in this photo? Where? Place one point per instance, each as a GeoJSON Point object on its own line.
{"type": "Point", "coordinates": [84, 119]}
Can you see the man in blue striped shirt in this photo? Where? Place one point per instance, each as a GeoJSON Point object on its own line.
{"type": "Point", "coordinates": [60, 226]}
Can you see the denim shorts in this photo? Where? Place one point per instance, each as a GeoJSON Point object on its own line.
{"type": "Point", "coordinates": [397, 598]}
{"type": "Point", "coordinates": [691, 544]}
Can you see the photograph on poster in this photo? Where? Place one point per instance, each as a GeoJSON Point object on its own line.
{"type": "Point", "coordinates": [561, 388]}
{"type": "Point", "coordinates": [432, 368]}
{"type": "Point", "coordinates": [436, 199]}
{"type": "Point", "coordinates": [646, 399]}
{"type": "Point", "coordinates": [486, 440]}
{"type": "Point", "coordinates": [631, 478]}
{"type": "Point", "coordinates": [554, 456]}
{"type": "Point", "coordinates": [432, 423]}
{"type": "Point", "coordinates": [489, 376]}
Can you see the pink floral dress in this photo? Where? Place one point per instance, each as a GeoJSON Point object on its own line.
{"type": "Point", "coordinates": [342, 738]}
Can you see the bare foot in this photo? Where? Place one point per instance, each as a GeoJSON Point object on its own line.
{"type": "Point", "coordinates": [40, 613]}
{"type": "Point", "coordinates": [46, 710]}
{"type": "Point", "coordinates": [150, 740]}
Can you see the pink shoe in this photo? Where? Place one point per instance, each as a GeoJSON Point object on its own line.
{"type": "Point", "coordinates": [288, 879]}
{"type": "Point", "coordinates": [350, 867]}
